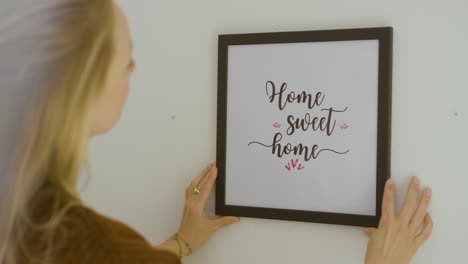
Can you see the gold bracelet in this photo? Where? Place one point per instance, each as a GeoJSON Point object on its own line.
{"type": "Point", "coordinates": [179, 236]}
{"type": "Point", "coordinates": [178, 243]}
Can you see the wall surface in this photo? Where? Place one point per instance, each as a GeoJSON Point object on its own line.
{"type": "Point", "coordinates": [168, 130]}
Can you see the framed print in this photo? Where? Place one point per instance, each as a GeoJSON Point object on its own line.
{"type": "Point", "coordinates": [303, 125]}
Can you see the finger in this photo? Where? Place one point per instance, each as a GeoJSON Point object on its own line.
{"type": "Point", "coordinates": [388, 199]}
{"type": "Point", "coordinates": [203, 181]}
{"type": "Point", "coordinates": [207, 187]}
{"type": "Point", "coordinates": [421, 212]}
{"type": "Point", "coordinates": [189, 189]}
{"type": "Point", "coordinates": [197, 179]}
{"type": "Point", "coordinates": [369, 230]}
{"type": "Point", "coordinates": [426, 232]}
{"type": "Point", "coordinates": [410, 200]}
{"type": "Point", "coordinates": [388, 202]}
{"type": "Point", "coordinates": [225, 221]}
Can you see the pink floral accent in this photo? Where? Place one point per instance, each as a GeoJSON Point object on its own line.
{"type": "Point", "coordinates": [344, 126]}
{"type": "Point", "coordinates": [276, 125]}
{"type": "Point", "coordinates": [294, 164]}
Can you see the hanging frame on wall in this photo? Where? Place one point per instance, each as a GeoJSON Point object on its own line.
{"type": "Point", "coordinates": [304, 121]}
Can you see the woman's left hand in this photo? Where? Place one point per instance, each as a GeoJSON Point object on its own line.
{"type": "Point", "coordinates": [196, 227]}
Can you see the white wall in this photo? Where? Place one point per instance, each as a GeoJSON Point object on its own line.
{"type": "Point", "coordinates": [142, 167]}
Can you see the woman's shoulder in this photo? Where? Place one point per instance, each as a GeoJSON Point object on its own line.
{"type": "Point", "coordinates": [95, 225]}
{"type": "Point", "coordinates": [92, 237]}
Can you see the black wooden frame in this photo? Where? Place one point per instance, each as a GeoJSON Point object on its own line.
{"type": "Point", "coordinates": [385, 37]}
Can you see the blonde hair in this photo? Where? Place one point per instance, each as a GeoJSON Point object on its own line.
{"type": "Point", "coordinates": [59, 51]}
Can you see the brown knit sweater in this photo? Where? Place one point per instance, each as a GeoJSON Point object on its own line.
{"type": "Point", "coordinates": [100, 239]}
{"type": "Point", "coordinates": [93, 238]}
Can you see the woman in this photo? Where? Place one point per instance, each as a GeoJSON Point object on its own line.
{"type": "Point", "coordinates": [67, 64]}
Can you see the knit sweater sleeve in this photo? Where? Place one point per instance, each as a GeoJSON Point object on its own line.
{"type": "Point", "coordinates": [95, 238]}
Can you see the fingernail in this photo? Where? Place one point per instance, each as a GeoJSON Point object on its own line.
{"type": "Point", "coordinates": [390, 183]}
{"type": "Point", "coordinates": [416, 180]}
{"type": "Point", "coordinates": [428, 192]}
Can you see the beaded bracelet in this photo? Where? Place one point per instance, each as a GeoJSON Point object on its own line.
{"type": "Point", "coordinates": [178, 243]}
{"type": "Point", "coordinates": [178, 236]}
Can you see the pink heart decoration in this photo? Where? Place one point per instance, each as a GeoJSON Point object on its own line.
{"type": "Point", "coordinates": [294, 163]}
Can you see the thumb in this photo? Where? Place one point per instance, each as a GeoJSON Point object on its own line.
{"type": "Point", "coordinates": [225, 221]}
{"type": "Point", "coordinates": [369, 230]}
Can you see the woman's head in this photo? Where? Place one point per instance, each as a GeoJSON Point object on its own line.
{"type": "Point", "coordinates": [109, 106]}
{"type": "Point", "coordinates": [68, 63]}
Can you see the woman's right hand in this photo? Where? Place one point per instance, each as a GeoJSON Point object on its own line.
{"type": "Point", "coordinates": [396, 239]}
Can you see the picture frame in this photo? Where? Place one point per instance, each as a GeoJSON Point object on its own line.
{"type": "Point", "coordinates": [304, 125]}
